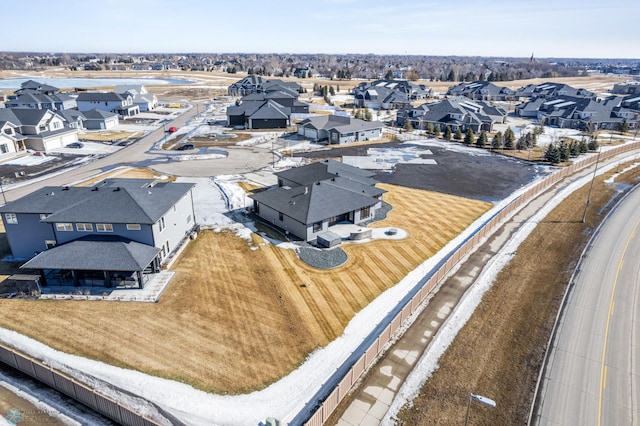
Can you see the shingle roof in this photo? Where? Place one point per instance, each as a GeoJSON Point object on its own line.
{"type": "Point", "coordinates": [97, 114]}
{"type": "Point", "coordinates": [99, 96]}
{"type": "Point", "coordinates": [324, 170]}
{"type": "Point", "coordinates": [115, 201]}
{"type": "Point", "coordinates": [96, 252]}
{"type": "Point", "coordinates": [316, 202]}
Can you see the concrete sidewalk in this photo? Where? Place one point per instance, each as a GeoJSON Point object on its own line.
{"type": "Point", "coordinates": [374, 396]}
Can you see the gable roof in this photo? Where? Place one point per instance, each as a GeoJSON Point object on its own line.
{"type": "Point", "coordinates": [111, 201]}
{"type": "Point", "coordinates": [24, 116]}
{"type": "Point", "coordinates": [98, 114]}
{"type": "Point", "coordinates": [323, 170]}
{"type": "Point", "coordinates": [96, 252]}
{"type": "Point", "coordinates": [271, 110]}
{"type": "Point", "coordinates": [315, 202]}
{"type": "Point", "coordinates": [101, 96]}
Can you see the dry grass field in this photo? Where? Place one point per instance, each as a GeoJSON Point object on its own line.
{"type": "Point", "coordinates": [235, 304]}
{"type": "Point", "coordinates": [499, 351]}
{"type": "Point", "coordinates": [108, 136]}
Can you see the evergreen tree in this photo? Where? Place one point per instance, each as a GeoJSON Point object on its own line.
{"type": "Point", "coordinates": [469, 136]}
{"type": "Point", "coordinates": [367, 114]}
{"type": "Point", "coordinates": [623, 127]}
{"type": "Point", "coordinates": [458, 134]}
{"type": "Point", "coordinates": [509, 139]}
{"type": "Point", "coordinates": [436, 131]}
{"type": "Point", "coordinates": [552, 154]}
{"type": "Point", "coordinates": [447, 132]}
{"type": "Point", "coordinates": [593, 144]}
{"type": "Point", "coordinates": [430, 128]}
{"type": "Point", "coordinates": [574, 148]}
{"type": "Point", "coordinates": [338, 88]}
{"type": "Point", "coordinates": [565, 151]}
{"type": "Point", "coordinates": [496, 143]}
{"type": "Point", "coordinates": [332, 91]}
{"type": "Point", "coordinates": [482, 140]}
{"type": "Point", "coordinates": [583, 146]}
{"type": "Point", "coordinates": [407, 125]}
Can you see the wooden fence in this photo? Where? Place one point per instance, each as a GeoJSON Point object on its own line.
{"type": "Point", "coordinates": [335, 393]}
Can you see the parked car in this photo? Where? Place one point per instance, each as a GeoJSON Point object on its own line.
{"type": "Point", "coordinates": [172, 129]}
{"type": "Point", "coordinates": [75, 145]}
{"type": "Point", "coordinates": [186, 147]}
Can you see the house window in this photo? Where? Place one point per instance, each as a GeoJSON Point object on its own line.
{"type": "Point", "coordinates": [43, 127]}
{"type": "Point", "coordinates": [365, 212]}
{"type": "Point", "coordinates": [133, 226]}
{"type": "Point", "coordinates": [43, 216]}
{"type": "Point", "coordinates": [161, 224]}
{"type": "Point", "coordinates": [56, 125]}
{"type": "Point", "coordinates": [317, 227]}
{"type": "Point", "coordinates": [64, 227]}
{"type": "Point", "coordinates": [11, 218]}
{"type": "Point", "coordinates": [49, 244]}
{"type": "Point", "coordinates": [281, 216]}
{"type": "Point", "coordinates": [84, 227]}
{"type": "Point", "coordinates": [104, 227]}
{"type": "Point", "coordinates": [8, 131]}
{"type": "Point", "coordinates": [189, 219]}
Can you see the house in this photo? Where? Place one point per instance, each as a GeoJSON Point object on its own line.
{"type": "Point", "coordinates": [266, 114]}
{"type": "Point", "coordinates": [482, 91]}
{"type": "Point", "coordinates": [551, 90]}
{"type": "Point", "coordinates": [121, 104]}
{"type": "Point", "coordinates": [389, 94]}
{"type": "Point", "coordinates": [627, 88]}
{"type": "Point", "coordinates": [256, 84]}
{"type": "Point", "coordinates": [39, 129]}
{"type": "Point", "coordinates": [457, 112]}
{"type": "Point", "coordinates": [338, 129]}
{"type": "Point", "coordinates": [35, 95]}
{"type": "Point", "coordinates": [114, 233]}
{"type": "Point", "coordinates": [96, 119]}
{"type": "Point", "coordinates": [305, 72]}
{"type": "Point", "coordinates": [144, 100]}
{"type": "Point", "coordinates": [311, 199]}
{"type": "Point", "coordinates": [580, 112]}
{"type": "Point", "coordinates": [73, 117]}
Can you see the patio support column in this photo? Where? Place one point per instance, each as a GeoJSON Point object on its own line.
{"type": "Point", "coordinates": [140, 282]}
{"type": "Point", "coordinates": [107, 279]}
{"type": "Point", "coordinates": [43, 278]}
{"type": "Point", "coordinates": [76, 279]}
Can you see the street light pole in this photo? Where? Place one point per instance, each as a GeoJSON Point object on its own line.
{"type": "Point", "coordinates": [482, 400]}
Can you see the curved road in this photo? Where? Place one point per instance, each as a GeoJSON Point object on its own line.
{"type": "Point", "coordinates": [592, 376]}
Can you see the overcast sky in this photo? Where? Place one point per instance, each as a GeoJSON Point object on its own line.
{"type": "Point", "coordinates": [547, 28]}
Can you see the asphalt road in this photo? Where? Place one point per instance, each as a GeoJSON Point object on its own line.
{"type": "Point", "coordinates": [592, 377]}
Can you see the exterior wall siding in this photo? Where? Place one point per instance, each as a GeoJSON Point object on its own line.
{"type": "Point", "coordinates": [288, 224]}
{"type": "Point", "coordinates": [28, 236]}
{"type": "Point", "coordinates": [176, 224]}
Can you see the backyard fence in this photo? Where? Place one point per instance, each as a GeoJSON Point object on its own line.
{"type": "Point", "coordinates": [73, 388]}
{"type": "Point", "coordinates": [340, 384]}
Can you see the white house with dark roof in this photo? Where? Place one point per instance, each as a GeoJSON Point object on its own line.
{"type": "Point", "coordinates": [121, 104]}
{"type": "Point", "coordinates": [141, 97]}
{"type": "Point", "coordinates": [311, 199]}
{"type": "Point", "coordinates": [337, 129]}
{"type": "Point", "coordinates": [97, 235]}
{"type": "Point", "coordinates": [39, 129]}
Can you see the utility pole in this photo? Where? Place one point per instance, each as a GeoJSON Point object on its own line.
{"type": "Point", "coordinates": [586, 205]}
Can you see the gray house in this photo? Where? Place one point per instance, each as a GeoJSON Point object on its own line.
{"type": "Point", "coordinates": [338, 129]}
{"type": "Point", "coordinates": [112, 233]}
{"type": "Point", "coordinates": [483, 91]}
{"type": "Point", "coordinates": [311, 199]}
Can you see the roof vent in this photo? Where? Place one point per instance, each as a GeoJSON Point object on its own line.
{"type": "Point", "coordinates": [317, 183]}
{"type": "Point", "coordinates": [65, 188]}
{"type": "Point", "coordinates": [117, 188]}
{"type": "Point", "coordinates": [306, 190]}
{"type": "Point", "coordinates": [94, 189]}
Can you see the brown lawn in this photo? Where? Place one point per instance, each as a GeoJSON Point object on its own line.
{"type": "Point", "coordinates": [237, 304]}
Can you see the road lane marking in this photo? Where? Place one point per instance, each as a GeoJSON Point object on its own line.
{"type": "Point", "coordinates": [603, 368]}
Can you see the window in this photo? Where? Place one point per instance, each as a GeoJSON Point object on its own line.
{"type": "Point", "coordinates": [43, 216]}
{"type": "Point", "coordinates": [161, 224]}
{"type": "Point", "coordinates": [133, 226]}
{"type": "Point", "coordinates": [49, 243]}
{"type": "Point", "coordinates": [56, 125]}
{"type": "Point", "coordinates": [365, 212]}
{"type": "Point", "coordinates": [11, 218]}
{"type": "Point", "coordinates": [317, 227]}
{"type": "Point", "coordinates": [85, 227]}
{"type": "Point", "coordinates": [43, 127]}
{"type": "Point", "coordinates": [64, 227]}
{"type": "Point", "coordinates": [189, 219]}
{"type": "Point", "coordinates": [104, 227]}
{"type": "Point", "coordinates": [281, 216]}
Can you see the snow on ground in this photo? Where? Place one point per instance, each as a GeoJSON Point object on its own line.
{"type": "Point", "coordinates": [449, 146]}
{"type": "Point", "coordinates": [28, 160]}
{"type": "Point", "coordinates": [387, 158]}
{"type": "Point", "coordinates": [428, 363]}
{"type": "Point", "coordinates": [550, 135]}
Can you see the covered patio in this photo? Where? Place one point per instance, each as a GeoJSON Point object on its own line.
{"type": "Point", "coordinates": [105, 261]}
